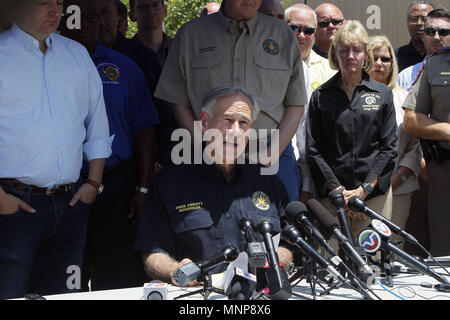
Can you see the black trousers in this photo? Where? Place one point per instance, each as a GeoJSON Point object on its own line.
{"type": "Point", "coordinates": [109, 260]}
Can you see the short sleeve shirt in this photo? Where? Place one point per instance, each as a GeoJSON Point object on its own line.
{"type": "Point", "coordinates": [430, 95]}
{"type": "Point", "coordinates": [210, 52]}
{"type": "Point", "coordinates": [192, 212]}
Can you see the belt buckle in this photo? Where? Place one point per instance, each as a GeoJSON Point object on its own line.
{"type": "Point", "coordinates": [50, 191]}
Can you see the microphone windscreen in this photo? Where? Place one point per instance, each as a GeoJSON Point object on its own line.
{"type": "Point", "coordinates": [356, 204]}
{"type": "Point", "coordinates": [337, 198]}
{"type": "Point", "coordinates": [322, 215]}
{"type": "Point", "coordinates": [293, 209]}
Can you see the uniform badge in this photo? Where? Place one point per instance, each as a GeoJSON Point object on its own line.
{"type": "Point", "coordinates": [261, 200]}
{"type": "Point", "coordinates": [271, 47]}
{"type": "Point", "coordinates": [109, 71]}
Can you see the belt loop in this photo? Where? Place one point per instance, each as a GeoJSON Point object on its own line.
{"type": "Point", "coordinates": [28, 193]}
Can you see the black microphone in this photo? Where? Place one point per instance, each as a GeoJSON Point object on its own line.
{"type": "Point", "coordinates": [356, 204]}
{"type": "Point", "coordinates": [295, 212]}
{"type": "Point", "coordinates": [191, 271]}
{"type": "Point", "coordinates": [332, 225]}
{"type": "Point", "coordinates": [291, 234]}
{"type": "Point", "coordinates": [277, 280]}
{"type": "Point", "coordinates": [255, 249]}
{"type": "Point", "coordinates": [337, 199]}
{"type": "Point", "coordinates": [371, 240]}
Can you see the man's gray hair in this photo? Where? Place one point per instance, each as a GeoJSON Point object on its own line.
{"type": "Point", "coordinates": [300, 7]}
{"type": "Point", "coordinates": [413, 3]}
{"type": "Point", "coordinates": [210, 99]}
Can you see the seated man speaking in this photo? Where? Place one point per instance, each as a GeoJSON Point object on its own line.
{"type": "Point", "coordinates": [193, 210]}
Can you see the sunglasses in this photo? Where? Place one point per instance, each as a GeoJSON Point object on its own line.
{"type": "Point", "coordinates": [383, 59]}
{"type": "Point", "coordinates": [325, 23]}
{"type": "Point", "coordinates": [443, 32]}
{"type": "Point", "coordinates": [306, 30]}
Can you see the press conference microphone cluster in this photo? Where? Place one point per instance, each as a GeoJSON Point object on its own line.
{"type": "Point", "coordinates": [191, 271]}
{"type": "Point", "coordinates": [276, 277]}
{"type": "Point", "coordinates": [292, 235]}
{"type": "Point", "coordinates": [255, 249]}
{"type": "Point", "coordinates": [358, 205]}
{"type": "Point", "coordinates": [296, 213]}
{"type": "Point", "coordinates": [332, 226]}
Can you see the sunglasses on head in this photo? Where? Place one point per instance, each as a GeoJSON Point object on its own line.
{"type": "Point", "coordinates": [298, 29]}
{"type": "Point", "coordinates": [383, 59]}
{"type": "Point", "coordinates": [325, 23]}
{"type": "Point", "coordinates": [441, 31]}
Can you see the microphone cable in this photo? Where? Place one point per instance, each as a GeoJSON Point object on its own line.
{"type": "Point", "coordinates": [432, 258]}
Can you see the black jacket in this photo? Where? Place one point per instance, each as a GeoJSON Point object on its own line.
{"type": "Point", "coordinates": [351, 142]}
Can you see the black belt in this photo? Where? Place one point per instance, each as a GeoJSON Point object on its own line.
{"type": "Point", "coordinates": [53, 191]}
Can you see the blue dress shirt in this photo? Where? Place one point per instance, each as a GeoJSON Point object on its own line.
{"type": "Point", "coordinates": [407, 76]}
{"type": "Point", "coordinates": [52, 110]}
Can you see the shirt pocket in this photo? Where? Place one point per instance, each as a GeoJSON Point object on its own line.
{"type": "Point", "coordinates": [206, 73]}
{"type": "Point", "coordinates": [440, 91]}
{"type": "Point", "coordinates": [190, 221]}
{"type": "Point", "coordinates": [271, 74]}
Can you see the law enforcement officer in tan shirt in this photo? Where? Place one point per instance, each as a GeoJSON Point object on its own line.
{"type": "Point", "coordinates": [240, 46]}
{"type": "Point", "coordinates": [428, 116]}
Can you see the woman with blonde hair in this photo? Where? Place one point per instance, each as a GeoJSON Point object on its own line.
{"type": "Point", "coordinates": [404, 181]}
{"type": "Point", "coordinates": [351, 129]}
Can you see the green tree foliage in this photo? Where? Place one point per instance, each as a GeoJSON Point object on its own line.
{"type": "Point", "coordinates": [178, 13]}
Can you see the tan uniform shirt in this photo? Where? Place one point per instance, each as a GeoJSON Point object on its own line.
{"type": "Point", "coordinates": [430, 95]}
{"type": "Point", "coordinates": [319, 70]}
{"type": "Point", "coordinates": [260, 55]}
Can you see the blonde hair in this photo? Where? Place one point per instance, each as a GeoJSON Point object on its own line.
{"type": "Point", "coordinates": [351, 31]}
{"type": "Point", "coordinates": [377, 42]}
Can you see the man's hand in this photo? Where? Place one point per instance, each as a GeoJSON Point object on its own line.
{"type": "Point", "coordinates": [358, 192]}
{"type": "Point", "coordinates": [137, 202]}
{"type": "Point", "coordinates": [10, 204]}
{"type": "Point", "coordinates": [86, 193]}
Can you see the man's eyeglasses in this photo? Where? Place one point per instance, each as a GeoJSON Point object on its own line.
{"type": "Point", "coordinates": [298, 29]}
{"type": "Point", "coordinates": [383, 59]}
{"type": "Point", "coordinates": [443, 32]}
{"type": "Point", "coordinates": [325, 23]}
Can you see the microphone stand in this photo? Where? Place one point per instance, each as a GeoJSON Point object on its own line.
{"type": "Point", "coordinates": [205, 291]}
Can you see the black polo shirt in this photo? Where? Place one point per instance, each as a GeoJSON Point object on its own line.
{"type": "Point", "coordinates": [407, 56]}
{"type": "Point", "coordinates": [351, 142]}
{"type": "Point", "coordinates": [192, 212]}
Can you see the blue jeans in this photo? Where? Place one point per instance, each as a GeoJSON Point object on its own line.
{"type": "Point", "coordinates": [288, 173]}
{"type": "Point", "coordinates": [40, 252]}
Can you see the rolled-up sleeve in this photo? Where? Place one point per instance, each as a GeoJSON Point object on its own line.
{"type": "Point", "coordinates": [98, 142]}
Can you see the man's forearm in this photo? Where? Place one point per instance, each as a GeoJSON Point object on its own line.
{"type": "Point", "coordinates": [185, 117]}
{"type": "Point", "coordinates": [288, 125]}
{"type": "Point", "coordinates": [425, 127]}
{"type": "Point", "coordinates": [145, 151]}
{"type": "Point", "coordinates": [96, 167]}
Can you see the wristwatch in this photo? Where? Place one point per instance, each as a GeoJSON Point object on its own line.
{"type": "Point", "coordinates": [368, 187]}
{"type": "Point", "coordinates": [143, 190]}
{"type": "Point", "coordinates": [401, 176]}
{"type": "Point", "coordinates": [98, 186]}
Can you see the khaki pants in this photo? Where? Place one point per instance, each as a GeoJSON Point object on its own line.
{"type": "Point", "coordinates": [400, 213]}
{"type": "Point", "coordinates": [381, 204]}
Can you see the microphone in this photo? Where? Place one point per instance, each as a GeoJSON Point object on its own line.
{"type": "Point", "coordinates": [155, 290]}
{"type": "Point", "coordinates": [337, 199]}
{"type": "Point", "coordinates": [239, 285]}
{"type": "Point", "coordinates": [356, 204]}
{"type": "Point", "coordinates": [191, 271]}
{"type": "Point", "coordinates": [295, 212]}
{"type": "Point", "coordinates": [255, 249]}
{"type": "Point", "coordinates": [371, 240]}
{"type": "Point", "coordinates": [291, 234]}
{"type": "Point", "coordinates": [332, 226]}
{"type": "Point", "coordinates": [277, 281]}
